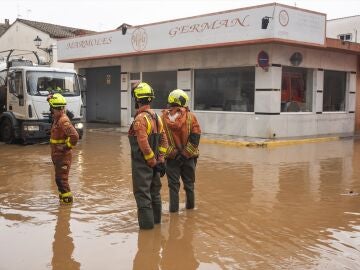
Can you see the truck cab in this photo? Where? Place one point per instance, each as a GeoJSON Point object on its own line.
{"type": "Point", "coordinates": [24, 110]}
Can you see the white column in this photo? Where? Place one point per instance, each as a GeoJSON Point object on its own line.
{"type": "Point", "coordinates": [268, 90]}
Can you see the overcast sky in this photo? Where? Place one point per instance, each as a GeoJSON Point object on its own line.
{"type": "Point", "coordinates": [102, 15]}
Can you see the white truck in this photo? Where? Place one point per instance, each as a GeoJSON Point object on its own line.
{"type": "Point", "coordinates": [24, 110]}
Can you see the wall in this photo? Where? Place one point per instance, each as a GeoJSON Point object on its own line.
{"type": "Point", "coordinates": [250, 124]}
{"type": "Point", "coordinates": [21, 36]}
{"type": "Point", "coordinates": [348, 25]}
{"type": "Point", "coordinates": [357, 110]}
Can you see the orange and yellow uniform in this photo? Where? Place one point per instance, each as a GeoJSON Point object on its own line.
{"type": "Point", "coordinates": [183, 133]}
{"type": "Point", "coordinates": [148, 147]}
{"type": "Point", "coordinates": [63, 138]}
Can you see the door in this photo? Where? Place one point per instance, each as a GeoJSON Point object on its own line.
{"type": "Point", "coordinates": [16, 95]}
{"type": "Point", "coordinates": [103, 95]}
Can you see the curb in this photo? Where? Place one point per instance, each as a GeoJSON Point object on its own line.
{"type": "Point", "coordinates": [269, 144]}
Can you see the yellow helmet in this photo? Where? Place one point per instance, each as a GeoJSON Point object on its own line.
{"type": "Point", "coordinates": [56, 101]}
{"type": "Point", "coordinates": [178, 97]}
{"type": "Point", "coordinates": [143, 91]}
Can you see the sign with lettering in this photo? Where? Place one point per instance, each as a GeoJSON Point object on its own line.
{"type": "Point", "coordinates": [212, 30]}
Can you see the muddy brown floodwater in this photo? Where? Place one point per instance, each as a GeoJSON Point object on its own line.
{"type": "Point", "coordinates": [293, 207]}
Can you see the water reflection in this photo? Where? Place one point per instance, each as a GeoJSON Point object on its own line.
{"type": "Point", "coordinates": [281, 208]}
{"type": "Point", "coordinates": [168, 246]}
{"type": "Point", "coordinates": [178, 243]}
{"type": "Point", "coordinates": [63, 246]}
{"type": "Point", "coordinates": [148, 253]}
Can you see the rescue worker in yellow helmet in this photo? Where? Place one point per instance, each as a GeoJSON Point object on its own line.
{"type": "Point", "coordinates": [63, 138]}
{"type": "Point", "coordinates": [183, 133]}
{"type": "Point", "coordinates": [148, 147]}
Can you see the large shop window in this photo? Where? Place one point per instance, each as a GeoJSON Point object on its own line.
{"type": "Point", "coordinates": [163, 82]}
{"type": "Point", "coordinates": [225, 89]}
{"type": "Point", "coordinates": [334, 91]}
{"type": "Point", "coordinates": [296, 89]}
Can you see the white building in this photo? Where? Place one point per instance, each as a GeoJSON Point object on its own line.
{"type": "Point", "coordinates": [21, 34]}
{"type": "Point", "coordinates": [264, 71]}
{"type": "Point", "coordinates": [346, 29]}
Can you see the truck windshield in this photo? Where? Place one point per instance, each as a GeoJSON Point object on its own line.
{"type": "Point", "coordinates": [43, 83]}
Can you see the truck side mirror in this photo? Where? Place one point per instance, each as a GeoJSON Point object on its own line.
{"type": "Point", "coordinates": [12, 75]}
{"type": "Point", "coordinates": [83, 83]}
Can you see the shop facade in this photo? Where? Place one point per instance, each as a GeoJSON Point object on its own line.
{"type": "Point", "coordinates": [245, 76]}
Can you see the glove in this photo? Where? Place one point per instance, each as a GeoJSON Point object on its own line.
{"type": "Point", "coordinates": [180, 158]}
{"type": "Point", "coordinates": [70, 114]}
{"type": "Point", "coordinates": [160, 168]}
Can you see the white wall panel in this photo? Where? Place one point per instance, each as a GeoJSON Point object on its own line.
{"type": "Point", "coordinates": [267, 101]}
{"type": "Point", "coordinates": [270, 79]}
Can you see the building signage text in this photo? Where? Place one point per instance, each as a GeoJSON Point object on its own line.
{"type": "Point", "coordinates": [184, 29]}
{"type": "Point", "coordinates": [91, 42]}
{"type": "Point", "coordinates": [213, 30]}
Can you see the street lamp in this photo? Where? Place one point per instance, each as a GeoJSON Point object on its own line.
{"type": "Point", "coordinates": [49, 51]}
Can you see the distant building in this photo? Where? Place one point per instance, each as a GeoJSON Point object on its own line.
{"type": "Point", "coordinates": [346, 29]}
{"type": "Point", "coordinates": [20, 35]}
{"type": "Point", "coordinates": [266, 71]}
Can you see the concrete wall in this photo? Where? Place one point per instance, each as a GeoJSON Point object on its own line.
{"type": "Point", "coordinates": [357, 103]}
{"type": "Point", "coordinates": [276, 126]}
{"type": "Point", "coordinates": [266, 121]}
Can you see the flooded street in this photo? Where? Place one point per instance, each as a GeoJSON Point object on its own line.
{"type": "Point", "coordinates": [293, 207]}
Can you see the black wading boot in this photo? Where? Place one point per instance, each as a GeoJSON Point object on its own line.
{"type": "Point", "coordinates": [190, 200]}
{"type": "Point", "coordinates": [157, 213]}
{"type": "Point", "coordinates": [146, 218]}
{"type": "Point", "coordinates": [174, 201]}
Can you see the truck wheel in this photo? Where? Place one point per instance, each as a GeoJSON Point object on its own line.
{"type": "Point", "coordinates": [6, 131]}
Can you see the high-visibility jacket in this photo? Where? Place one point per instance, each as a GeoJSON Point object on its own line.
{"type": "Point", "coordinates": [182, 131]}
{"type": "Point", "coordinates": [63, 134]}
{"type": "Point", "coordinates": [148, 131]}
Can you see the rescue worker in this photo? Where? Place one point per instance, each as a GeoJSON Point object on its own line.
{"type": "Point", "coordinates": [63, 138]}
{"type": "Point", "coordinates": [53, 87]}
{"type": "Point", "coordinates": [183, 134]}
{"type": "Point", "coordinates": [148, 147]}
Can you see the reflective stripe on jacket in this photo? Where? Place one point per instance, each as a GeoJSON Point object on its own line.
{"type": "Point", "coordinates": [63, 132]}
{"type": "Point", "coordinates": [148, 132]}
{"type": "Point", "coordinates": [180, 126]}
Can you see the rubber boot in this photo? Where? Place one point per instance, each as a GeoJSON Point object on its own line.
{"type": "Point", "coordinates": [66, 198]}
{"type": "Point", "coordinates": [146, 218]}
{"type": "Point", "coordinates": [190, 200]}
{"type": "Point", "coordinates": [157, 213]}
{"type": "Point", "coordinates": [174, 201]}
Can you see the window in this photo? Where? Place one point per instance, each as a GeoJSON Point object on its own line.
{"type": "Point", "coordinates": [135, 76]}
{"type": "Point", "coordinates": [225, 89]}
{"type": "Point", "coordinates": [296, 90]}
{"type": "Point", "coordinates": [42, 83]}
{"type": "Point", "coordinates": [16, 84]}
{"type": "Point", "coordinates": [3, 75]}
{"type": "Point", "coordinates": [345, 37]}
{"type": "Point", "coordinates": [163, 82]}
{"type": "Point", "coordinates": [334, 91]}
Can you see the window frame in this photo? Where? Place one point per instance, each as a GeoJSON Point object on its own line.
{"type": "Point", "coordinates": [343, 37]}
{"type": "Point", "coordinates": [345, 99]}
{"type": "Point", "coordinates": [251, 105]}
{"type": "Point", "coordinates": [308, 84]}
